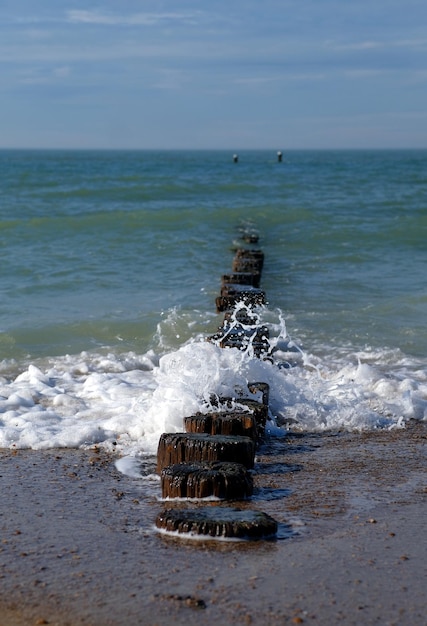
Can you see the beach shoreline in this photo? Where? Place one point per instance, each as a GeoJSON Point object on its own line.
{"type": "Point", "coordinates": [78, 544]}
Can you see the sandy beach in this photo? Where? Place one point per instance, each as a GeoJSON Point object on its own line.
{"type": "Point", "coordinates": [78, 544]}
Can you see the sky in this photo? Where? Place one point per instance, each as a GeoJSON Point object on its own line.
{"type": "Point", "coordinates": [223, 74]}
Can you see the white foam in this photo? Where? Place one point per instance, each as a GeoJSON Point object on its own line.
{"type": "Point", "coordinates": [130, 466]}
{"type": "Point", "coordinates": [126, 401]}
{"type": "Point", "coordinates": [194, 536]}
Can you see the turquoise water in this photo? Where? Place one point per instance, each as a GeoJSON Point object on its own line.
{"type": "Point", "coordinates": [121, 254]}
{"type": "Point", "coordinates": [98, 244]}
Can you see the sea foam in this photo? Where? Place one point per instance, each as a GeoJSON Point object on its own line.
{"type": "Point", "coordinates": [124, 402]}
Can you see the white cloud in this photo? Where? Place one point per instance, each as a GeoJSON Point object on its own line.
{"type": "Point", "coordinates": [359, 45]}
{"type": "Point", "coordinates": [364, 73]}
{"type": "Point", "coordinates": [355, 45]}
{"type": "Point", "coordinates": [257, 80]}
{"type": "Point", "coordinates": [43, 76]}
{"type": "Point", "coordinates": [417, 44]}
{"type": "Point", "coordinates": [291, 76]}
{"type": "Point", "coordinates": [171, 80]}
{"type": "Point", "coordinates": [66, 53]}
{"type": "Point", "coordinates": [137, 19]}
{"type": "Point", "coordinates": [417, 77]}
{"type": "Point", "coordinates": [410, 44]}
{"type": "Point", "coordinates": [61, 72]}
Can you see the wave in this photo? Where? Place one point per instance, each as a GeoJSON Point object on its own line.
{"type": "Point", "coordinates": [125, 401]}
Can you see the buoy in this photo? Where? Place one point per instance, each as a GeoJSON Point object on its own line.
{"type": "Point", "coordinates": [279, 156]}
{"type": "Point", "coordinates": [235, 158]}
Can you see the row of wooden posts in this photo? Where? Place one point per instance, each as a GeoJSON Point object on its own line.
{"type": "Point", "coordinates": [214, 457]}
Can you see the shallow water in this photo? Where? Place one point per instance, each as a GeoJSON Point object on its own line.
{"type": "Point", "coordinates": [111, 262]}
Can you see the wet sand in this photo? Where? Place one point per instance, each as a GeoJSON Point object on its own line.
{"type": "Point", "coordinates": [78, 545]}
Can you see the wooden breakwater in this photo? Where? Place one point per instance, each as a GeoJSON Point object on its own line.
{"type": "Point", "coordinates": [214, 455]}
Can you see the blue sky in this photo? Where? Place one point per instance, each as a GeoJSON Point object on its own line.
{"type": "Point", "coordinates": [233, 74]}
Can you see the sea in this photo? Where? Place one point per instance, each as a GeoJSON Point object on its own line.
{"type": "Point", "coordinates": [111, 262]}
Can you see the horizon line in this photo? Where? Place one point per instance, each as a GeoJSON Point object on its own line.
{"type": "Point", "coordinates": [231, 150]}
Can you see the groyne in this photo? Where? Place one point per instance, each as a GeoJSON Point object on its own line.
{"type": "Point", "coordinates": [212, 460]}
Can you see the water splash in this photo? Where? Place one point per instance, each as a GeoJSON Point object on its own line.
{"type": "Point", "coordinates": [126, 401]}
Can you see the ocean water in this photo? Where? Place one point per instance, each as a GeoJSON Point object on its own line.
{"type": "Point", "coordinates": [111, 262]}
